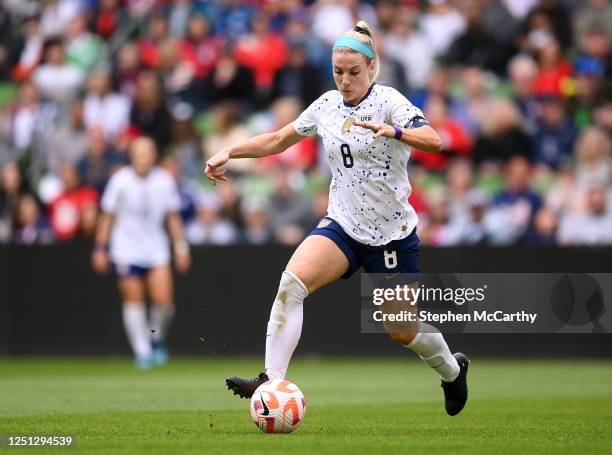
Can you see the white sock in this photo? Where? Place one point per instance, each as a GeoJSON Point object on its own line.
{"type": "Point", "coordinates": [137, 329]}
{"type": "Point", "coordinates": [161, 317]}
{"type": "Point", "coordinates": [429, 344]}
{"type": "Point", "coordinates": [285, 325]}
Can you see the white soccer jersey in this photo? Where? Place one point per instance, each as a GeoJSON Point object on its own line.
{"type": "Point", "coordinates": [369, 189]}
{"type": "Point", "coordinates": [140, 206]}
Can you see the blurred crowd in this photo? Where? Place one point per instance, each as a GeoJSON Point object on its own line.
{"type": "Point", "coordinates": [519, 91]}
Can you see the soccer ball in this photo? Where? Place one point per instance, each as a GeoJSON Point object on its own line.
{"type": "Point", "coordinates": [278, 406]}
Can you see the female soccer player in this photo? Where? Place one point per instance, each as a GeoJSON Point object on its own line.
{"type": "Point", "coordinates": [367, 130]}
{"type": "Point", "coordinates": [137, 203]}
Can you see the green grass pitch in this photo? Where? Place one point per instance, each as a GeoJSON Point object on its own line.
{"type": "Point", "coordinates": [355, 406]}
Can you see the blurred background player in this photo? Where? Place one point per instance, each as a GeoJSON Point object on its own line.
{"type": "Point", "coordinates": [369, 221]}
{"type": "Point", "coordinates": [137, 204]}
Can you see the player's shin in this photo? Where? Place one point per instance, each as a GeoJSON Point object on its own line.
{"type": "Point", "coordinates": [136, 328]}
{"type": "Point", "coordinates": [161, 318]}
{"type": "Point", "coordinates": [285, 325]}
{"type": "Point", "coordinates": [431, 347]}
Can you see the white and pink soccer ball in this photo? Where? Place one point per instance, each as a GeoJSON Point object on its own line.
{"type": "Point", "coordinates": [278, 406]}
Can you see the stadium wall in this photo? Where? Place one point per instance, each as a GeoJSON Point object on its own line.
{"type": "Point", "coordinates": [51, 303]}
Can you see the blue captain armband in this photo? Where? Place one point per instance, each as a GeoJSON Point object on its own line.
{"type": "Point", "coordinates": [416, 122]}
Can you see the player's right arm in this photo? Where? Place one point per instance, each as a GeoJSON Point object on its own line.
{"type": "Point", "coordinates": [256, 147]}
{"type": "Point", "coordinates": [108, 207]}
{"type": "Point", "coordinates": [99, 257]}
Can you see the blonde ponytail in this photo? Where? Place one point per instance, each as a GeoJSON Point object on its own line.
{"type": "Point", "coordinates": [363, 33]}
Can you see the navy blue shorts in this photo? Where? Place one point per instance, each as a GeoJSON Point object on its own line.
{"type": "Point", "coordinates": [399, 256]}
{"type": "Point", "coordinates": [130, 270]}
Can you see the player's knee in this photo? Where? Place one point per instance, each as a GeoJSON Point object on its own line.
{"type": "Point", "coordinates": [161, 294]}
{"type": "Point", "coordinates": [402, 338]}
{"type": "Point", "coordinates": [291, 289]}
{"type": "Point", "coordinates": [161, 299]}
{"type": "Point", "coordinates": [291, 285]}
{"type": "Point", "coordinates": [301, 274]}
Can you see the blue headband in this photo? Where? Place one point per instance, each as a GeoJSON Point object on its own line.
{"type": "Point", "coordinates": [356, 45]}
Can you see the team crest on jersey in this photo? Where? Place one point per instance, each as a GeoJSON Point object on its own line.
{"type": "Point", "coordinates": [324, 222]}
{"type": "Point", "coordinates": [346, 126]}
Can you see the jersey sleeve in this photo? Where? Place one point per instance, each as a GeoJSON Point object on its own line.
{"type": "Point", "coordinates": [404, 114]}
{"type": "Point", "coordinates": [306, 123]}
{"type": "Point", "coordinates": [110, 198]}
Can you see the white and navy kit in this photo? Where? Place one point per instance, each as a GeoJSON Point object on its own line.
{"type": "Point", "coordinates": [140, 206]}
{"type": "Point", "coordinates": [368, 210]}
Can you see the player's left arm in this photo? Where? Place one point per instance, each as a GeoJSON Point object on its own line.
{"type": "Point", "coordinates": [406, 123]}
{"type": "Point", "coordinates": [182, 256]}
{"type": "Point", "coordinates": [423, 137]}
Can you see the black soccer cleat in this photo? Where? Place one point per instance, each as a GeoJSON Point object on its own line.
{"type": "Point", "coordinates": [456, 392]}
{"type": "Point", "coordinates": [245, 388]}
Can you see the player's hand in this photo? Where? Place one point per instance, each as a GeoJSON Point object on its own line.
{"type": "Point", "coordinates": [182, 262]}
{"type": "Point", "coordinates": [99, 261]}
{"type": "Point", "coordinates": [213, 167]}
{"type": "Point", "coordinates": [379, 128]}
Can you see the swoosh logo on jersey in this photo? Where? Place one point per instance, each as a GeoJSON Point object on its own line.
{"type": "Point", "coordinates": [266, 410]}
{"type": "Point", "coordinates": [393, 275]}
